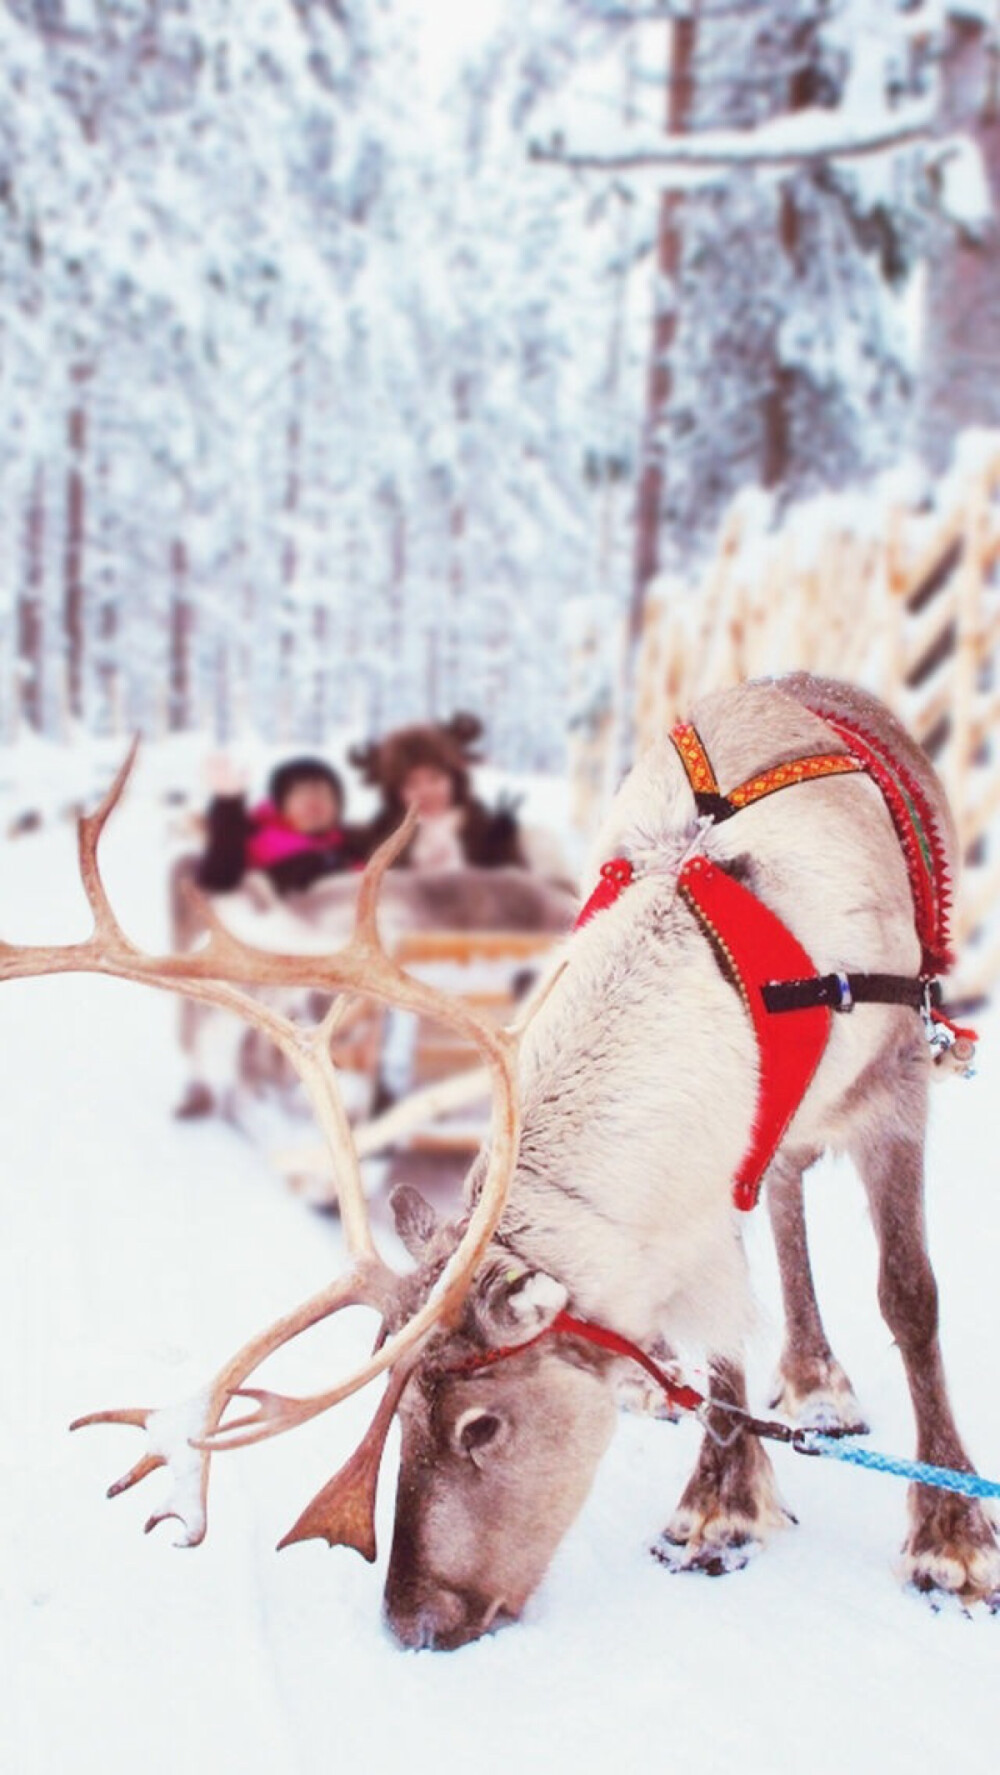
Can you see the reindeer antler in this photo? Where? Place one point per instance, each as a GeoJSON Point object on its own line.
{"type": "Point", "coordinates": [185, 1437]}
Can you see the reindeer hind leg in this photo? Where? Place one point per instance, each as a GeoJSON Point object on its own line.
{"type": "Point", "coordinates": [951, 1548]}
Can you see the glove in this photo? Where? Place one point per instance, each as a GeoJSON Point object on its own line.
{"type": "Point", "coordinates": [224, 776]}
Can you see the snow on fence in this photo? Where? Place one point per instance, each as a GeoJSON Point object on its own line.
{"type": "Point", "coordinates": [903, 597]}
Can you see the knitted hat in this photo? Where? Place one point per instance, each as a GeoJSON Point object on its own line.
{"type": "Point", "coordinates": [303, 770]}
{"type": "Point", "coordinates": [445, 746]}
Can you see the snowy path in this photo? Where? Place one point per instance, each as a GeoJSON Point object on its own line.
{"type": "Point", "coordinates": [135, 1254]}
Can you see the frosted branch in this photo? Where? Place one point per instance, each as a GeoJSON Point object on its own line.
{"type": "Point", "coordinates": [800, 140]}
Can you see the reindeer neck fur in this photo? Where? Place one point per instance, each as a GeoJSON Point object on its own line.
{"type": "Point", "coordinates": [622, 1188]}
{"type": "Point", "coordinates": [639, 1072]}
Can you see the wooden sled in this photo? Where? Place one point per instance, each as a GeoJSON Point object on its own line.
{"type": "Point", "coordinates": [445, 1110]}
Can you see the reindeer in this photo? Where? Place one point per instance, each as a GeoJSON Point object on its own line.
{"type": "Point", "coordinates": [600, 1216]}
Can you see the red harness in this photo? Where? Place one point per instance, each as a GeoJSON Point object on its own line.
{"type": "Point", "coordinates": [755, 948]}
{"type": "Point", "coordinates": [768, 966]}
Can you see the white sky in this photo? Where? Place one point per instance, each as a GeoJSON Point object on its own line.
{"type": "Point", "coordinates": [449, 29]}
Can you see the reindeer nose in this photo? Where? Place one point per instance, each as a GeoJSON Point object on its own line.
{"type": "Point", "coordinates": [446, 1621]}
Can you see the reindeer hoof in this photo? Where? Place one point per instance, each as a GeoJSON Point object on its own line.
{"type": "Point", "coordinates": [820, 1397]}
{"type": "Point", "coordinates": [714, 1542]}
{"type": "Point", "coordinates": [729, 1509]}
{"type": "Point", "coordinates": [832, 1417]}
{"type": "Point", "coordinates": [713, 1558]}
{"type": "Point", "coordinates": [955, 1579]}
{"type": "Point", "coordinates": [951, 1555]}
{"type": "Point", "coordinates": [940, 1602]}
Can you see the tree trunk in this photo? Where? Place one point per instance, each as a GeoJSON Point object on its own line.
{"type": "Point", "coordinates": [30, 625]}
{"type": "Point", "coordinates": [961, 386]}
{"type": "Point", "coordinates": [652, 472]}
{"type": "Point", "coordinates": [180, 714]}
{"type": "Point", "coordinates": [74, 614]}
{"type": "Point", "coordinates": [290, 638]}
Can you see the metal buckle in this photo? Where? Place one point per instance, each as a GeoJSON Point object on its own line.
{"type": "Point", "coordinates": [940, 1039]}
{"type": "Point", "coordinates": [846, 995]}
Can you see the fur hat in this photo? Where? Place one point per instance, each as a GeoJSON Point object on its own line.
{"type": "Point", "coordinates": [303, 770]}
{"type": "Point", "coordinates": [446, 746]}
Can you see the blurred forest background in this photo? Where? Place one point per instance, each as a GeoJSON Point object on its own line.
{"type": "Point", "coordinates": [357, 355]}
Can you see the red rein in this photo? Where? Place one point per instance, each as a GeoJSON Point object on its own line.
{"type": "Point", "coordinates": [681, 1397]}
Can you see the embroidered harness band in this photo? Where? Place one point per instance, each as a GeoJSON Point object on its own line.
{"type": "Point", "coordinates": [708, 797]}
{"type": "Point", "coordinates": [909, 810]}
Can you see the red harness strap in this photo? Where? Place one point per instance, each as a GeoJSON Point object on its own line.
{"type": "Point", "coordinates": [615, 875]}
{"type": "Point", "coordinates": [917, 831]}
{"type": "Point", "coordinates": [756, 947]}
{"type": "Point", "coordinates": [684, 1398]}
{"type": "Point", "coordinates": [681, 1397]}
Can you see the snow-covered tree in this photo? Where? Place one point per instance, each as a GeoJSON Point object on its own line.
{"type": "Point", "coordinates": [799, 202]}
{"type": "Point", "coordinates": [299, 368]}
{"type": "Point", "coordinates": [960, 386]}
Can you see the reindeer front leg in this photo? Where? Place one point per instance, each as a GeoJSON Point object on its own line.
{"type": "Point", "coordinates": [951, 1547]}
{"type": "Point", "coordinates": [730, 1505]}
{"type": "Point", "coordinates": [812, 1388]}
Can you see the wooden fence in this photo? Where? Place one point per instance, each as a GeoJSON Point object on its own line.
{"type": "Point", "coordinates": [904, 600]}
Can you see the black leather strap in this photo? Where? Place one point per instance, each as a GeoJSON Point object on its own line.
{"type": "Point", "coordinates": [841, 992]}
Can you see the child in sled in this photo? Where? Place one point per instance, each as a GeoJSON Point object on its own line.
{"type": "Point", "coordinates": [293, 839]}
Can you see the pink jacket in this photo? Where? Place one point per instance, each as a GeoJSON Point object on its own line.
{"type": "Point", "coordinates": [272, 840]}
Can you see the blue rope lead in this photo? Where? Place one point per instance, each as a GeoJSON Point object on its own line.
{"type": "Point", "coordinates": [812, 1442]}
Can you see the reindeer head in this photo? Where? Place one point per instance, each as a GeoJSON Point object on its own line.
{"type": "Point", "coordinates": [497, 1456]}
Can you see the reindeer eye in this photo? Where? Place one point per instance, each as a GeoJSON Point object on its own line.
{"type": "Point", "coordinates": [475, 1429]}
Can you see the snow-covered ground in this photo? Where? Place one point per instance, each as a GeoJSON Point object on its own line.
{"type": "Point", "coordinates": [136, 1253]}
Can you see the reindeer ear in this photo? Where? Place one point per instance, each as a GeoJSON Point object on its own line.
{"type": "Point", "coordinates": [416, 1221]}
{"type": "Point", "coordinates": [465, 728]}
{"type": "Point", "coordinates": [519, 1303]}
{"type": "Point", "coordinates": [365, 760]}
